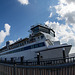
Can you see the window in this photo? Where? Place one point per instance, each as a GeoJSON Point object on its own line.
{"type": "Point", "coordinates": [32, 46]}
{"type": "Point", "coordinates": [35, 30]}
{"type": "Point", "coordinates": [52, 33]}
{"type": "Point", "coordinates": [36, 45]}
{"type": "Point", "coordinates": [41, 44]}
{"type": "Point", "coordinates": [46, 30]}
{"type": "Point", "coordinates": [25, 42]}
{"type": "Point", "coordinates": [42, 36]}
{"type": "Point", "coordinates": [38, 37]}
{"type": "Point", "coordinates": [26, 48]}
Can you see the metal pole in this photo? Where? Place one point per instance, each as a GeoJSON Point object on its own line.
{"type": "Point", "coordinates": [64, 55]}
{"type": "Point", "coordinates": [38, 58]}
{"type": "Point", "coordinates": [14, 66]}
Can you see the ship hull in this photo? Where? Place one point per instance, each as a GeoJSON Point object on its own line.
{"type": "Point", "coordinates": [45, 53]}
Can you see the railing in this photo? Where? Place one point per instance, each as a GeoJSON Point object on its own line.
{"type": "Point", "coordinates": [48, 62]}
{"type": "Point", "coordinates": [47, 67]}
{"type": "Point", "coordinates": [63, 69]}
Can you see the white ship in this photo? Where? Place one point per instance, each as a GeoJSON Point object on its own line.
{"type": "Point", "coordinates": [40, 42]}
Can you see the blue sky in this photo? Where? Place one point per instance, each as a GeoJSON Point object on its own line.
{"type": "Point", "coordinates": [16, 16]}
{"type": "Point", "coordinates": [20, 17]}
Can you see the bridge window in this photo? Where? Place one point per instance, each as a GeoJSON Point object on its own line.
{"type": "Point", "coordinates": [42, 36]}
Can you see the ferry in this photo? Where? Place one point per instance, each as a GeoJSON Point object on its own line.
{"type": "Point", "coordinates": [41, 42]}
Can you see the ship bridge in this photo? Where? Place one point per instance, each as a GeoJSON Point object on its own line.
{"type": "Point", "coordinates": [39, 28]}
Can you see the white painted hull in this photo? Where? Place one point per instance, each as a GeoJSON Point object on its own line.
{"type": "Point", "coordinates": [46, 53]}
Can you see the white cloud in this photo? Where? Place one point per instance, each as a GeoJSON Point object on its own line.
{"type": "Point", "coordinates": [70, 1]}
{"type": "Point", "coordinates": [5, 33]}
{"type": "Point", "coordinates": [50, 7]}
{"type": "Point", "coordinates": [24, 2]}
{"type": "Point", "coordinates": [51, 14]}
{"type": "Point", "coordinates": [7, 28]}
{"type": "Point", "coordinates": [66, 10]}
{"type": "Point", "coordinates": [59, 18]}
{"type": "Point", "coordinates": [11, 41]}
{"type": "Point", "coordinates": [64, 33]}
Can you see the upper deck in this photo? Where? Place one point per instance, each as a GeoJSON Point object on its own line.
{"type": "Point", "coordinates": [35, 36]}
{"type": "Point", "coordinates": [40, 28]}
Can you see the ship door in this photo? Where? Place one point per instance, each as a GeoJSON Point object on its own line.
{"type": "Point", "coordinates": [22, 58]}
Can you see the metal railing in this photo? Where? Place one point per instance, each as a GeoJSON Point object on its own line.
{"type": "Point", "coordinates": [47, 62]}
{"type": "Point", "coordinates": [65, 69]}
{"type": "Point", "coordinates": [47, 67]}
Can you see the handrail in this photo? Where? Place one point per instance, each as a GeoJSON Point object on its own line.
{"type": "Point", "coordinates": [43, 62]}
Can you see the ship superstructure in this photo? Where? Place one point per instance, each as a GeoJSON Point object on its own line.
{"type": "Point", "coordinates": [41, 41]}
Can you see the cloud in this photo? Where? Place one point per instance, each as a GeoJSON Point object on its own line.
{"type": "Point", "coordinates": [13, 41]}
{"type": "Point", "coordinates": [24, 2]}
{"type": "Point", "coordinates": [70, 1]}
{"type": "Point", "coordinates": [50, 7]}
{"type": "Point", "coordinates": [7, 28]}
{"type": "Point", "coordinates": [66, 10]}
{"type": "Point", "coordinates": [5, 33]}
{"type": "Point", "coordinates": [64, 33]}
{"type": "Point", "coordinates": [51, 14]}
